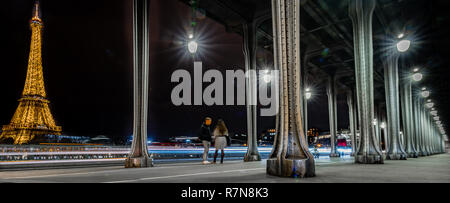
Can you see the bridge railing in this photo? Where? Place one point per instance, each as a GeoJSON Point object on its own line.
{"type": "Point", "coordinates": [61, 152]}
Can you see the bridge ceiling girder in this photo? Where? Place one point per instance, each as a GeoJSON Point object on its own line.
{"type": "Point", "coordinates": [325, 27]}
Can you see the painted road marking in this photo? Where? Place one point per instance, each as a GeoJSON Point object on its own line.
{"type": "Point", "coordinates": [184, 175]}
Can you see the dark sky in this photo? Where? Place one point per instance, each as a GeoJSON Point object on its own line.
{"type": "Point", "coordinates": [87, 47]}
{"type": "Point", "coordinates": [87, 59]}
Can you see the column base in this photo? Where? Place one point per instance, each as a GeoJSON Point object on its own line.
{"type": "Point", "coordinates": [369, 159]}
{"type": "Point", "coordinates": [396, 157]}
{"type": "Point", "coordinates": [294, 168]}
{"type": "Point", "coordinates": [413, 155]}
{"type": "Point", "coordinates": [139, 162]}
{"type": "Point", "coordinates": [422, 154]}
{"type": "Point", "coordinates": [252, 157]}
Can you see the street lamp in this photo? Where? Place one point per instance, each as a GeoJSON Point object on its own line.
{"type": "Point", "coordinates": [425, 93]}
{"type": "Point", "coordinates": [417, 77]}
{"type": "Point", "coordinates": [192, 47]}
{"type": "Point", "coordinates": [308, 94]}
{"type": "Point", "coordinates": [266, 77]}
{"type": "Point", "coordinates": [403, 45]}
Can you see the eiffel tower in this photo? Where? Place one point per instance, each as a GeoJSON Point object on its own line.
{"type": "Point", "coordinates": [32, 121]}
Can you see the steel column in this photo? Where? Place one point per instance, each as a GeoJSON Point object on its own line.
{"type": "Point", "coordinates": [250, 45]}
{"type": "Point", "coordinates": [396, 151]}
{"type": "Point", "coordinates": [332, 114]}
{"type": "Point", "coordinates": [351, 117]}
{"type": "Point", "coordinates": [290, 156]}
{"type": "Point", "coordinates": [406, 106]}
{"type": "Point", "coordinates": [139, 156]}
{"type": "Point", "coordinates": [418, 126]}
{"type": "Point", "coordinates": [361, 12]}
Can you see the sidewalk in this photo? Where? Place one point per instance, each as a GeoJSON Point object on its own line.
{"type": "Point", "coordinates": [434, 169]}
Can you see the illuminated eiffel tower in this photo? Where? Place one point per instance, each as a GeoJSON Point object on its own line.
{"type": "Point", "coordinates": [32, 121]}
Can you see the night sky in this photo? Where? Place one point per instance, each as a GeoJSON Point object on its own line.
{"type": "Point", "coordinates": [87, 60]}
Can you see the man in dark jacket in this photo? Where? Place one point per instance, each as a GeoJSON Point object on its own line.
{"type": "Point", "coordinates": [205, 137]}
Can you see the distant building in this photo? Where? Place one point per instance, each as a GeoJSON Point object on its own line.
{"type": "Point", "coordinates": [267, 137]}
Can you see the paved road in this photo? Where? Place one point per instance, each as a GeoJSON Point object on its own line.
{"type": "Point", "coordinates": [422, 170]}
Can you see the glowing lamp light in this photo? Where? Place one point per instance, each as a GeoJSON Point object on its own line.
{"type": "Point", "coordinates": [417, 77]}
{"type": "Point", "coordinates": [401, 35]}
{"type": "Point", "coordinates": [267, 78]}
{"type": "Point", "coordinates": [191, 36]}
{"type": "Point", "coordinates": [416, 70]}
{"type": "Point", "coordinates": [383, 125]}
{"type": "Point", "coordinates": [192, 47]}
{"type": "Point", "coordinates": [308, 94]}
{"type": "Point", "coordinates": [403, 45]}
{"type": "Point", "coordinates": [425, 94]}
{"type": "Point", "coordinates": [375, 122]}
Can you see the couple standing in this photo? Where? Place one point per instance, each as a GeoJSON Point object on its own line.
{"type": "Point", "coordinates": [219, 135]}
